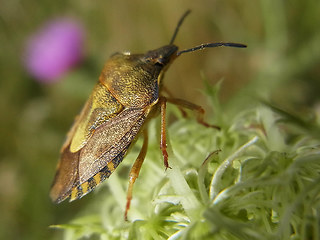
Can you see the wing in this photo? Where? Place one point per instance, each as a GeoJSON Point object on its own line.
{"type": "Point", "coordinates": [100, 107]}
{"type": "Point", "coordinates": [95, 146]}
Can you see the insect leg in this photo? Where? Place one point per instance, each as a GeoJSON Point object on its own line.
{"type": "Point", "coordinates": [198, 109]}
{"type": "Point", "coordinates": [183, 112]}
{"type": "Point", "coordinates": [134, 172]}
{"type": "Point", "coordinates": [163, 138]}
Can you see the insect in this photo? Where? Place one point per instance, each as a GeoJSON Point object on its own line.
{"type": "Point", "coordinates": [129, 92]}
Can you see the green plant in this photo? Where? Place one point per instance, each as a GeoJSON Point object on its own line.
{"type": "Point", "coordinates": [256, 177]}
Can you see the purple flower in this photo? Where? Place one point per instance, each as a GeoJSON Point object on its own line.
{"type": "Point", "coordinates": [53, 50]}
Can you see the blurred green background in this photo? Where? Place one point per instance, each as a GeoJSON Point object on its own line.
{"type": "Point", "coordinates": [281, 64]}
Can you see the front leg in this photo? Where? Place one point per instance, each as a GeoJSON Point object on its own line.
{"type": "Point", "coordinates": [163, 138]}
{"type": "Point", "coordinates": [198, 109]}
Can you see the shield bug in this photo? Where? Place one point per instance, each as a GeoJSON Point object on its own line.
{"type": "Point", "coordinates": [128, 93]}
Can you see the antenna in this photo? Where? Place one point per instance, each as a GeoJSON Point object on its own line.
{"type": "Point", "coordinates": [212, 45]}
{"type": "Point", "coordinates": [178, 26]}
{"type": "Point", "coordinates": [204, 45]}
